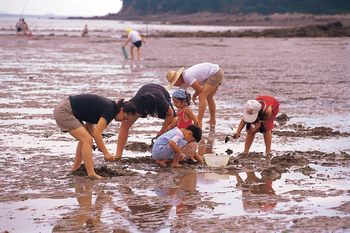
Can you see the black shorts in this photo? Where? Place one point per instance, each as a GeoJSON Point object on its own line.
{"type": "Point", "coordinates": [138, 44]}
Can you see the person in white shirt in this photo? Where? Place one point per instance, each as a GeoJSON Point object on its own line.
{"type": "Point", "coordinates": [19, 28]}
{"type": "Point", "coordinates": [205, 79]}
{"type": "Point", "coordinates": [136, 41]}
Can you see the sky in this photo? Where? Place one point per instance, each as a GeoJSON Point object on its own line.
{"type": "Point", "coordinates": [61, 7]}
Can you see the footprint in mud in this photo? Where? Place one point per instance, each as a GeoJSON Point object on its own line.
{"type": "Point", "coordinates": [289, 160]}
{"type": "Point", "coordinates": [138, 146]}
{"type": "Point", "coordinates": [104, 171]}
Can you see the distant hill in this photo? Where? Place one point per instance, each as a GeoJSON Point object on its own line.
{"type": "Point", "coordinates": [264, 7]}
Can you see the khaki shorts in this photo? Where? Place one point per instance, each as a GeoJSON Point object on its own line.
{"type": "Point", "coordinates": [216, 79]}
{"type": "Point", "coordinates": [64, 117]}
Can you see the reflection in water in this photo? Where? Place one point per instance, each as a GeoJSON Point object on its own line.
{"type": "Point", "coordinates": [146, 216]}
{"type": "Point", "coordinates": [87, 216]}
{"type": "Point", "coordinates": [207, 148]}
{"type": "Point", "coordinates": [152, 216]}
{"type": "Point", "coordinates": [252, 188]}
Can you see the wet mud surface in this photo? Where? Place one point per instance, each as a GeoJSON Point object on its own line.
{"type": "Point", "coordinates": [303, 186]}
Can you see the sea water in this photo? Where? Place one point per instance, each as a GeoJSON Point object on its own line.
{"type": "Point", "coordinates": [44, 24]}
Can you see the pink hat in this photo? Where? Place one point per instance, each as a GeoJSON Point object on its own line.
{"type": "Point", "coordinates": [251, 111]}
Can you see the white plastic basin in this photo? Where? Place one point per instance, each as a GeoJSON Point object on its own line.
{"type": "Point", "coordinates": [214, 160]}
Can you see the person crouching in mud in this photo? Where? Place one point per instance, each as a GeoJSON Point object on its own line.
{"type": "Point", "coordinates": [258, 116]}
{"type": "Point", "coordinates": [71, 114]}
{"type": "Point", "coordinates": [167, 148]}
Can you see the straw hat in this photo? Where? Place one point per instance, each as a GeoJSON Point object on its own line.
{"type": "Point", "coordinates": [251, 111]}
{"type": "Point", "coordinates": [172, 76]}
{"type": "Point", "coordinates": [128, 31]}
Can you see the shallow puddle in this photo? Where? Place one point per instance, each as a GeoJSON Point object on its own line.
{"type": "Point", "coordinates": [308, 76]}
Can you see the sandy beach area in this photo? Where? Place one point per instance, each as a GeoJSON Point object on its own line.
{"type": "Point", "coordinates": [302, 187]}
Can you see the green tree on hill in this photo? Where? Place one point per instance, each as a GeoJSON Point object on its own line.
{"type": "Point", "coordinates": [237, 6]}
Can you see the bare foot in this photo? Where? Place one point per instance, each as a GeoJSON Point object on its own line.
{"type": "Point", "coordinates": [95, 177]}
{"type": "Point", "coordinates": [161, 163]}
{"type": "Point", "coordinates": [199, 124]}
{"type": "Point", "coordinates": [75, 167]}
{"type": "Point", "coordinates": [211, 122]}
{"type": "Point", "coordinates": [176, 165]}
{"type": "Point", "coordinates": [116, 157]}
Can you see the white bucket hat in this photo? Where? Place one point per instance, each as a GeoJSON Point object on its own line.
{"type": "Point", "coordinates": [251, 110]}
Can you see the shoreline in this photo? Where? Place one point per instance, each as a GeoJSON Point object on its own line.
{"type": "Point", "coordinates": [222, 19]}
{"type": "Point", "coordinates": [334, 29]}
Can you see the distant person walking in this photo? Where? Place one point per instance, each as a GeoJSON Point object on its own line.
{"type": "Point", "coordinates": [19, 28]}
{"type": "Point", "coordinates": [136, 41]}
{"type": "Point", "coordinates": [85, 31]}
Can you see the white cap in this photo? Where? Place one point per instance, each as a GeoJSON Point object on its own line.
{"type": "Point", "coordinates": [251, 111]}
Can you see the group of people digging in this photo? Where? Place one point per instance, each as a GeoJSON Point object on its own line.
{"type": "Point", "coordinates": [86, 116]}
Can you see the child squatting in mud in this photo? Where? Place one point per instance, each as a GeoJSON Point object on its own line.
{"type": "Point", "coordinates": [186, 117]}
{"type": "Point", "coordinates": [166, 149]}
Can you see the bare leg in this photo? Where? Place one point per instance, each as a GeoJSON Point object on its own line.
{"type": "Point", "coordinates": [123, 134]}
{"type": "Point", "coordinates": [207, 90]}
{"type": "Point", "coordinates": [132, 52]}
{"type": "Point", "coordinates": [212, 107]}
{"type": "Point", "coordinates": [268, 140]}
{"type": "Point", "coordinates": [248, 142]}
{"type": "Point", "coordinates": [78, 154]}
{"type": "Point", "coordinates": [138, 53]}
{"type": "Point", "coordinates": [78, 157]}
{"type": "Point", "coordinates": [86, 152]}
{"type": "Point", "coordinates": [175, 162]}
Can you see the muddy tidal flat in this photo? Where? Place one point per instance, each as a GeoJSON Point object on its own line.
{"type": "Point", "coordinates": [304, 186]}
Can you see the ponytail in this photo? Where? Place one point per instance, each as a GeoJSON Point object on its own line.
{"type": "Point", "coordinates": [128, 107]}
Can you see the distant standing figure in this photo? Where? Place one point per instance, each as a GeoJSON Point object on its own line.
{"type": "Point", "coordinates": [136, 41]}
{"type": "Point", "coordinates": [205, 79]}
{"type": "Point", "coordinates": [85, 31]}
{"type": "Point", "coordinates": [79, 114]}
{"type": "Point", "coordinates": [19, 28]}
{"type": "Point", "coordinates": [258, 116]}
{"type": "Point", "coordinates": [24, 28]}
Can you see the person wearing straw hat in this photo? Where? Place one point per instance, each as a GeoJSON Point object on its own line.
{"type": "Point", "coordinates": [258, 116]}
{"type": "Point", "coordinates": [205, 79]}
{"type": "Point", "coordinates": [136, 41]}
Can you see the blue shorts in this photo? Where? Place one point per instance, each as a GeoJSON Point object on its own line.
{"type": "Point", "coordinates": [137, 44]}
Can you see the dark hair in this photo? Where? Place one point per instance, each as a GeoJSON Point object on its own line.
{"type": "Point", "coordinates": [148, 102]}
{"type": "Point", "coordinates": [262, 128]}
{"type": "Point", "coordinates": [187, 99]}
{"type": "Point", "coordinates": [196, 131]}
{"type": "Point", "coordinates": [128, 107]}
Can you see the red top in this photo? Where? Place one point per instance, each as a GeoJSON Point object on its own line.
{"type": "Point", "coordinates": [267, 101]}
{"type": "Point", "coordinates": [182, 123]}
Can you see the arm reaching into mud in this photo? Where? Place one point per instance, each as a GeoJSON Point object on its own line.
{"type": "Point", "coordinates": [239, 129]}
{"type": "Point", "coordinates": [97, 135]}
{"type": "Point", "coordinates": [123, 135]}
{"type": "Point", "coordinates": [168, 119]}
